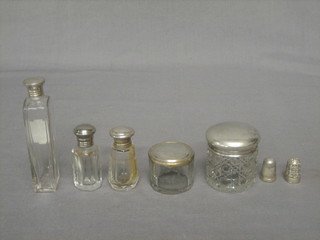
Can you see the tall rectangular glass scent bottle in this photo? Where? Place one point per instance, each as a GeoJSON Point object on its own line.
{"type": "Point", "coordinates": [40, 140]}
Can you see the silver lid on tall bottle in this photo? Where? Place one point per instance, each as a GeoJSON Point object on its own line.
{"type": "Point", "coordinates": [34, 86]}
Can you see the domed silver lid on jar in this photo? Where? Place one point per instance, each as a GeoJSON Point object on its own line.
{"type": "Point", "coordinates": [233, 138]}
{"type": "Point", "coordinates": [171, 154]}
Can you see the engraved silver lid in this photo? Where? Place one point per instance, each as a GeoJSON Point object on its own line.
{"type": "Point", "coordinates": [84, 133]}
{"type": "Point", "coordinates": [268, 170]}
{"type": "Point", "coordinates": [233, 138]}
{"type": "Point", "coordinates": [171, 154]}
{"type": "Point", "coordinates": [34, 86]}
{"type": "Point", "coordinates": [122, 136]}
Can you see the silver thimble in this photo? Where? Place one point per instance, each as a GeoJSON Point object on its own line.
{"type": "Point", "coordinates": [268, 170]}
{"type": "Point", "coordinates": [293, 171]}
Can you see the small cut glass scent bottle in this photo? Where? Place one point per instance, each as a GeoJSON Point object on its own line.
{"type": "Point", "coordinates": [40, 140]}
{"type": "Point", "coordinates": [232, 153]}
{"type": "Point", "coordinates": [86, 162]}
{"type": "Point", "coordinates": [171, 167]}
{"type": "Point", "coordinates": [123, 173]}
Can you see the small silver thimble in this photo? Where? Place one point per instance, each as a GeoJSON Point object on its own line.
{"type": "Point", "coordinates": [293, 171]}
{"type": "Point", "coordinates": [268, 170]}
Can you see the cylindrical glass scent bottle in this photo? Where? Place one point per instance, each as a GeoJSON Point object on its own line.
{"type": "Point", "coordinates": [86, 163]}
{"type": "Point", "coordinates": [123, 174]}
{"type": "Point", "coordinates": [40, 140]}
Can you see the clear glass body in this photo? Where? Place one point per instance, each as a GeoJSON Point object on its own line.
{"type": "Point", "coordinates": [231, 173]}
{"type": "Point", "coordinates": [171, 180]}
{"type": "Point", "coordinates": [86, 168]}
{"type": "Point", "coordinates": [123, 173]}
{"type": "Point", "coordinates": [40, 142]}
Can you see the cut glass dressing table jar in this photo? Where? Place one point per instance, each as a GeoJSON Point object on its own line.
{"type": "Point", "coordinates": [232, 153]}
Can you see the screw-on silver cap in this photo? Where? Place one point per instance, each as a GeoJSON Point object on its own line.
{"type": "Point", "coordinates": [122, 136]}
{"type": "Point", "coordinates": [34, 86]}
{"type": "Point", "coordinates": [84, 133]}
{"type": "Point", "coordinates": [293, 171]}
{"type": "Point", "coordinates": [268, 170]}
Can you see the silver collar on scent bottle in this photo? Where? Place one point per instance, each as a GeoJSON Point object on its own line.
{"type": "Point", "coordinates": [122, 137]}
{"type": "Point", "coordinates": [34, 86]}
{"type": "Point", "coordinates": [84, 133]}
